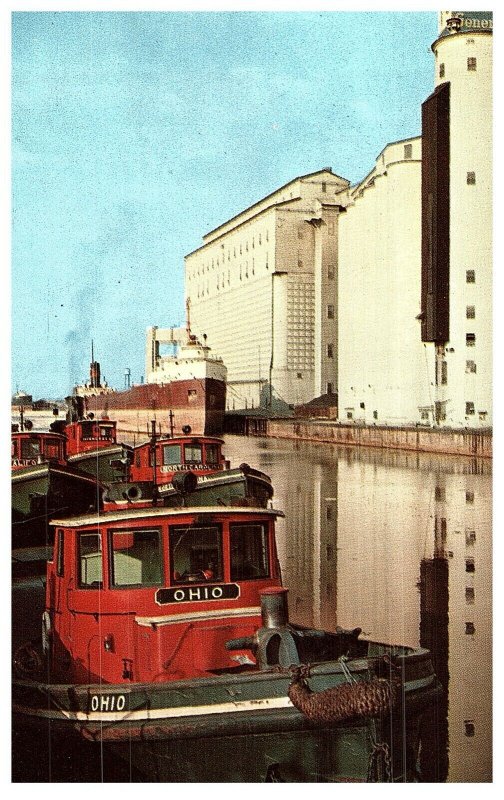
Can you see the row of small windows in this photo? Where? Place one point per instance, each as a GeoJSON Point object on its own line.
{"type": "Point", "coordinates": [301, 316]}
{"type": "Point", "coordinates": [301, 321]}
{"type": "Point", "coordinates": [244, 272]}
{"type": "Point", "coordinates": [471, 66]}
{"type": "Point", "coordinates": [221, 279]}
{"type": "Point", "coordinates": [215, 262]}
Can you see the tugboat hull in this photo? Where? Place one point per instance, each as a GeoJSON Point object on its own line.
{"type": "Point", "coordinates": [241, 727]}
{"type": "Point", "coordinates": [39, 492]}
{"type": "Point", "coordinates": [105, 464]}
{"type": "Point", "coordinates": [225, 488]}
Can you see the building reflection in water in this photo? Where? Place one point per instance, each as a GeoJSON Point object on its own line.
{"type": "Point", "coordinates": [398, 544]}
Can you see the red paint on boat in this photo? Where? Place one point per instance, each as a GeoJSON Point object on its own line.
{"type": "Point", "coordinates": [86, 435]}
{"type": "Point", "coordinates": [29, 448]}
{"type": "Point", "coordinates": [153, 595]}
{"type": "Point", "coordinates": [161, 459]}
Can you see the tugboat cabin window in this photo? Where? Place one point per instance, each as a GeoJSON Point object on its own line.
{"type": "Point", "coordinates": [135, 558]}
{"type": "Point", "coordinates": [172, 454]}
{"type": "Point", "coordinates": [212, 454]}
{"type": "Point", "coordinates": [90, 560]}
{"type": "Point", "coordinates": [249, 552]}
{"type": "Point", "coordinates": [30, 448]}
{"type": "Point", "coordinates": [106, 432]}
{"type": "Point", "coordinates": [87, 429]}
{"type": "Point", "coordinates": [52, 448]}
{"type": "Point", "coordinates": [192, 453]}
{"type": "Point", "coordinates": [196, 554]}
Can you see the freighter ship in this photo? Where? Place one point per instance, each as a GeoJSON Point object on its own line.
{"type": "Point", "coordinates": [185, 388]}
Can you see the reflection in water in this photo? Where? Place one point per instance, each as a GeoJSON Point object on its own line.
{"type": "Point", "coordinates": [434, 635]}
{"type": "Point", "coordinates": [397, 543]}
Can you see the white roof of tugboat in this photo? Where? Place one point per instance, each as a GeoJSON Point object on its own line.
{"type": "Point", "coordinates": [101, 517]}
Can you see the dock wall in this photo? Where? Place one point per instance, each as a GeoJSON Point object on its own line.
{"type": "Point", "coordinates": [427, 440]}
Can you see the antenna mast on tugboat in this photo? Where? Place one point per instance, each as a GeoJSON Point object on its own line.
{"type": "Point", "coordinates": [154, 464]}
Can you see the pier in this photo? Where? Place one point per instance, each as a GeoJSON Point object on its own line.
{"type": "Point", "coordinates": [458, 442]}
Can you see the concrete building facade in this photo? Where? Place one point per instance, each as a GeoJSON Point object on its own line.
{"type": "Point", "coordinates": [263, 290]}
{"type": "Point", "coordinates": [386, 373]}
{"type": "Point", "coordinates": [457, 219]}
{"type": "Point", "coordinates": [378, 293]}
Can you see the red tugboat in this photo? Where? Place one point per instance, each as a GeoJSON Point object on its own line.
{"type": "Point", "coordinates": [188, 466]}
{"type": "Point", "coordinates": [91, 444]}
{"type": "Point", "coordinates": [161, 458]}
{"type": "Point", "coordinates": [166, 639]}
{"type": "Point", "coordinates": [44, 484]}
{"type": "Point", "coordinates": [30, 448]}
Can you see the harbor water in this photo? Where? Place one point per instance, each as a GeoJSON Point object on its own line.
{"type": "Point", "coordinates": [400, 545]}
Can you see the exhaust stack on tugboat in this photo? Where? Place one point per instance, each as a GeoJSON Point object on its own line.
{"type": "Point", "coordinates": [166, 637]}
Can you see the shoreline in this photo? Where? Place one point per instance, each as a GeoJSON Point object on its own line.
{"type": "Point", "coordinates": [444, 441]}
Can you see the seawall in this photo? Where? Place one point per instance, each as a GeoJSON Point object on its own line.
{"type": "Point", "coordinates": [461, 442]}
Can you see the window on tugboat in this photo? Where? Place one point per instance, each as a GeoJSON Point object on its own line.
{"type": "Point", "coordinates": [192, 454]}
{"type": "Point", "coordinates": [249, 551]}
{"type": "Point", "coordinates": [135, 558]}
{"type": "Point", "coordinates": [90, 560]}
{"type": "Point", "coordinates": [196, 553]}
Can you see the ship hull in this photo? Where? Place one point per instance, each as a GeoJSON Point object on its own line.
{"type": "Point", "coordinates": [224, 488]}
{"type": "Point", "coordinates": [41, 491]}
{"type": "Point", "coordinates": [237, 728]}
{"type": "Point", "coordinates": [198, 403]}
{"type": "Point", "coordinates": [105, 463]}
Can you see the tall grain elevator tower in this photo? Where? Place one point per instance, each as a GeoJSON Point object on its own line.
{"type": "Point", "coordinates": [457, 219]}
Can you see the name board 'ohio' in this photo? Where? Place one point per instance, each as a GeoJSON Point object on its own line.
{"type": "Point", "coordinates": [191, 594]}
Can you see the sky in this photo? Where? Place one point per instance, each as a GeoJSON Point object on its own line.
{"type": "Point", "coordinates": [134, 133]}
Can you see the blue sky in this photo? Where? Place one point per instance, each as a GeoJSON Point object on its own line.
{"type": "Point", "coordinates": [135, 133]}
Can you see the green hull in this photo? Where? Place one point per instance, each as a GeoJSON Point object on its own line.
{"type": "Point", "coordinates": [240, 727]}
{"type": "Point", "coordinates": [225, 488]}
{"type": "Point", "coordinates": [40, 492]}
{"type": "Point", "coordinates": [99, 463]}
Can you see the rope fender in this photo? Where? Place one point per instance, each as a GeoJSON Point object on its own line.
{"type": "Point", "coordinates": [359, 699]}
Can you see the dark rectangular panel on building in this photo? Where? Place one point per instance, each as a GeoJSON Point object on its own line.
{"type": "Point", "coordinates": [436, 215]}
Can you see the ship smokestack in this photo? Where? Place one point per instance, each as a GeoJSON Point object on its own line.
{"type": "Point", "coordinates": [94, 371]}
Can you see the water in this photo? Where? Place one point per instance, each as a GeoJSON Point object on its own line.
{"type": "Point", "coordinates": [398, 544]}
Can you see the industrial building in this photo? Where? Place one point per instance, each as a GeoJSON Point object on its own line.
{"type": "Point", "coordinates": [263, 289]}
{"type": "Point", "coordinates": [378, 294]}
